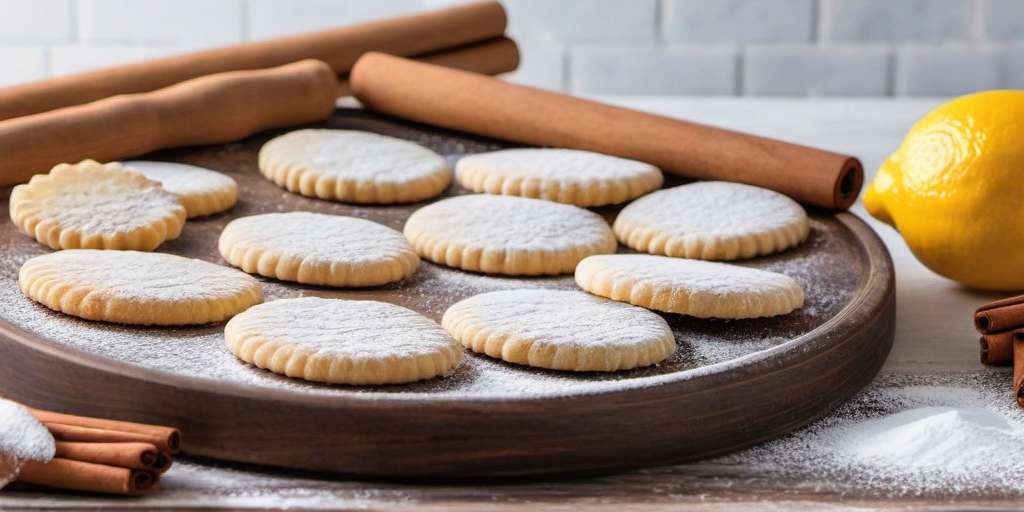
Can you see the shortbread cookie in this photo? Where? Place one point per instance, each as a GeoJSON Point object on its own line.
{"type": "Point", "coordinates": [314, 248]}
{"type": "Point", "coordinates": [342, 341]}
{"type": "Point", "coordinates": [507, 235]}
{"type": "Point", "coordinates": [129, 287]}
{"type": "Point", "coordinates": [560, 330]}
{"type": "Point", "coordinates": [202, 191]}
{"type": "Point", "coordinates": [567, 176]}
{"type": "Point", "coordinates": [96, 206]}
{"type": "Point", "coordinates": [712, 220]}
{"type": "Point", "coordinates": [354, 167]}
{"type": "Point", "coordinates": [697, 288]}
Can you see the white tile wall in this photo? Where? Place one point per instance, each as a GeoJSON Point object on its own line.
{"type": "Point", "coordinates": [716, 47]}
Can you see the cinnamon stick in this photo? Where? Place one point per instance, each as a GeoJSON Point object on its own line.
{"type": "Point", "coordinates": [478, 104]}
{"type": "Point", "coordinates": [415, 34]}
{"type": "Point", "coordinates": [78, 433]}
{"type": "Point", "coordinates": [85, 476]}
{"type": "Point", "coordinates": [125, 455]}
{"type": "Point", "coordinates": [168, 438]}
{"type": "Point", "coordinates": [491, 57]}
{"type": "Point", "coordinates": [1018, 368]}
{"type": "Point", "coordinates": [212, 109]}
{"type": "Point", "coordinates": [997, 348]}
{"type": "Point", "coordinates": [1000, 315]}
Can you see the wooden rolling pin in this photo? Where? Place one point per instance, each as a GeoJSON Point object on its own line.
{"type": "Point", "coordinates": [478, 104]}
{"type": "Point", "coordinates": [340, 47]}
{"type": "Point", "coordinates": [491, 57]}
{"type": "Point", "coordinates": [213, 109]}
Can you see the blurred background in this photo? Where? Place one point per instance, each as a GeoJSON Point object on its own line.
{"type": "Point", "coordinates": [685, 47]}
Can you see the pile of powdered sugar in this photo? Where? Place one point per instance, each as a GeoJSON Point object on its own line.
{"type": "Point", "coordinates": [22, 438]}
{"type": "Point", "coordinates": [918, 435]}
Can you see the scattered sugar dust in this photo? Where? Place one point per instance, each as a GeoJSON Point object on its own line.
{"type": "Point", "coordinates": [958, 435]}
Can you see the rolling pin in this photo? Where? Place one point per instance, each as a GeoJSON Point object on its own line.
{"type": "Point", "coordinates": [213, 109]}
{"type": "Point", "coordinates": [486, 106]}
{"type": "Point", "coordinates": [491, 57]}
{"type": "Point", "coordinates": [415, 34]}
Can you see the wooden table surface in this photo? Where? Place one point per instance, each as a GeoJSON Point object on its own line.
{"type": "Point", "coordinates": [933, 335]}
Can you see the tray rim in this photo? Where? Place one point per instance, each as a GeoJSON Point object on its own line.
{"type": "Point", "coordinates": [879, 274]}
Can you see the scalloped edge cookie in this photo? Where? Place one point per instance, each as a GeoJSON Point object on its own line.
{"type": "Point", "coordinates": [248, 340]}
{"type": "Point", "coordinates": [285, 160]}
{"type": "Point", "coordinates": [483, 256]}
{"type": "Point", "coordinates": [472, 323]}
{"type": "Point", "coordinates": [702, 289]}
{"type": "Point", "coordinates": [659, 236]}
{"type": "Point", "coordinates": [26, 210]}
{"type": "Point", "coordinates": [41, 280]}
{"type": "Point", "coordinates": [286, 264]}
{"type": "Point", "coordinates": [208, 191]}
{"type": "Point", "coordinates": [561, 175]}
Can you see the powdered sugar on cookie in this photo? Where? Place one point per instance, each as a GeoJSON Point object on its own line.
{"type": "Point", "coordinates": [507, 235]}
{"type": "Point", "coordinates": [712, 220]}
{"type": "Point", "coordinates": [316, 248]}
{"type": "Point", "coordinates": [567, 176]}
{"type": "Point", "coordinates": [558, 329]}
{"type": "Point", "coordinates": [698, 288]}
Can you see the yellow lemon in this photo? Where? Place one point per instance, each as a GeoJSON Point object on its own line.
{"type": "Point", "coordinates": [955, 190]}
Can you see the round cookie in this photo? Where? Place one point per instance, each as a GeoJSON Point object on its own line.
{"type": "Point", "coordinates": [342, 341]}
{"type": "Point", "coordinates": [566, 176]}
{"type": "Point", "coordinates": [354, 167]}
{"type": "Point", "coordinates": [130, 287]}
{"type": "Point", "coordinates": [507, 235]}
{"type": "Point", "coordinates": [712, 220]}
{"type": "Point", "coordinates": [96, 206]}
{"type": "Point", "coordinates": [314, 248]}
{"type": "Point", "coordinates": [560, 330]}
{"type": "Point", "coordinates": [202, 191]}
{"type": "Point", "coordinates": [702, 289]}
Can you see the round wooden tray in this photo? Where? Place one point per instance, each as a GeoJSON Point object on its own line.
{"type": "Point", "coordinates": [729, 385]}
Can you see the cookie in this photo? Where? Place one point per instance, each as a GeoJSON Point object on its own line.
{"type": "Point", "coordinates": [507, 235]}
{"type": "Point", "coordinates": [314, 248]}
{"type": "Point", "coordinates": [560, 330]}
{"type": "Point", "coordinates": [566, 176]}
{"type": "Point", "coordinates": [712, 220]}
{"type": "Point", "coordinates": [703, 289]}
{"type": "Point", "coordinates": [201, 191]}
{"type": "Point", "coordinates": [130, 287]}
{"type": "Point", "coordinates": [342, 341]}
{"type": "Point", "coordinates": [96, 206]}
{"type": "Point", "coordinates": [354, 167]}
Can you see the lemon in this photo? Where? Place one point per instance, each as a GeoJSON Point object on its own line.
{"type": "Point", "coordinates": [955, 190]}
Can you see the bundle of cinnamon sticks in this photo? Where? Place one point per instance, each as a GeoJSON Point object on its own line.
{"type": "Point", "coordinates": [1001, 324]}
{"type": "Point", "coordinates": [103, 456]}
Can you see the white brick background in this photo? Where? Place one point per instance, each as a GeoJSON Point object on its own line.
{"type": "Point", "coordinates": [706, 47]}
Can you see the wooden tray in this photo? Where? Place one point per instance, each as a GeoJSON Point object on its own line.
{"type": "Point", "coordinates": [729, 385]}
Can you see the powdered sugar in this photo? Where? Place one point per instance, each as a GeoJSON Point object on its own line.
{"type": "Point", "coordinates": [563, 175]}
{"type": "Point", "coordinates": [356, 330]}
{"type": "Point", "coordinates": [498, 223]}
{"type": "Point", "coordinates": [22, 435]}
{"type": "Point", "coordinates": [559, 329]}
{"type": "Point", "coordinates": [712, 220]}
{"type": "Point", "coordinates": [921, 435]}
{"type": "Point", "coordinates": [182, 179]}
{"type": "Point", "coordinates": [95, 199]}
{"type": "Point", "coordinates": [355, 155]}
{"type": "Point", "coordinates": [715, 208]}
{"type": "Point", "coordinates": [22, 438]}
{"type": "Point", "coordinates": [146, 278]}
{"type": "Point", "coordinates": [699, 288]}
{"type": "Point", "coordinates": [317, 239]}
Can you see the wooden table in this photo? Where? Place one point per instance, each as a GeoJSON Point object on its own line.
{"type": "Point", "coordinates": [933, 335]}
